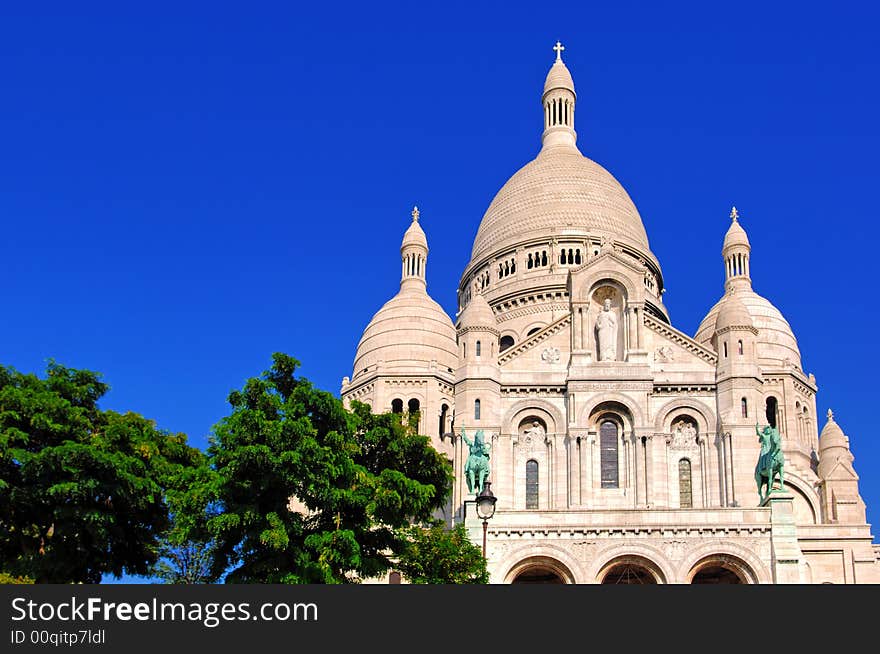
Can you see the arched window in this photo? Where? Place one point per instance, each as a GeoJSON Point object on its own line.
{"type": "Point", "coordinates": [505, 342]}
{"type": "Point", "coordinates": [531, 484]}
{"type": "Point", "coordinates": [745, 408]}
{"type": "Point", "coordinates": [685, 493]}
{"type": "Point", "coordinates": [476, 409]}
{"type": "Point", "coordinates": [397, 405]}
{"type": "Point", "coordinates": [414, 414]}
{"type": "Point", "coordinates": [608, 436]}
{"type": "Point", "coordinates": [479, 348]}
{"type": "Point", "coordinates": [533, 330]}
{"type": "Point", "coordinates": [444, 409]}
{"type": "Point", "coordinates": [725, 349]}
{"type": "Point", "coordinates": [577, 256]}
{"type": "Point", "coordinates": [771, 411]}
{"type": "Point", "coordinates": [740, 347]}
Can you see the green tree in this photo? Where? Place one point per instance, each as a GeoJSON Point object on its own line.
{"type": "Point", "coordinates": [81, 489]}
{"type": "Point", "coordinates": [311, 492]}
{"type": "Point", "coordinates": [437, 555]}
{"type": "Point", "coordinates": [187, 562]}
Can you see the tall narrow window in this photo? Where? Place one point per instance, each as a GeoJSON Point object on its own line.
{"type": "Point", "coordinates": [685, 492]}
{"type": "Point", "coordinates": [725, 349]}
{"type": "Point", "coordinates": [608, 454]}
{"type": "Point", "coordinates": [740, 347]}
{"type": "Point", "coordinates": [771, 411]}
{"type": "Point", "coordinates": [443, 412]}
{"type": "Point", "coordinates": [531, 484]}
{"type": "Point", "coordinates": [397, 406]}
{"type": "Point", "coordinates": [476, 409]}
{"type": "Point", "coordinates": [479, 349]}
{"type": "Point", "coordinates": [745, 408]}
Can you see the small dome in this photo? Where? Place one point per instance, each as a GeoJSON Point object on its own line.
{"type": "Point", "coordinates": [832, 435]}
{"type": "Point", "coordinates": [415, 235]}
{"type": "Point", "coordinates": [477, 313]}
{"type": "Point", "coordinates": [409, 332]}
{"type": "Point", "coordinates": [775, 341]}
{"type": "Point", "coordinates": [733, 313]}
{"type": "Point", "coordinates": [558, 78]}
{"type": "Point", "coordinates": [735, 235]}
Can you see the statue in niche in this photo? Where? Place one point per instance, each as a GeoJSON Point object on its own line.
{"type": "Point", "coordinates": [606, 329]}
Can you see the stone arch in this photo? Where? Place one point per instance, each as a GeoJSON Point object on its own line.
{"type": "Point", "coordinates": [803, 490]}
{"type": "Point", "coordinates": [636, 416]}
{"type": "Point", "coordinates": [703, 415]}
{"type": "Point", "coordinates": [651, 557]}
{"type": "Point", "coordinates": [759, 572]}
{"type": "Point", "coordinates": [539, 325]}
{"type": "Point", "coordinates": [726, 562]}
{"type": "Point", "coordinates": [610, 277]}
{"type": "Point", "coordinates": [519, 411]}
{"type": "Point", "coordinates": [541, 555]}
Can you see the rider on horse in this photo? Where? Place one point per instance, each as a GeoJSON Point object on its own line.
{"type": "Point", "coordinates": [771, 461]}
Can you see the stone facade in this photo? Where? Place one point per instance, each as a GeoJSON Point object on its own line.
{"type": "Point", "coordinates": [622, 449]}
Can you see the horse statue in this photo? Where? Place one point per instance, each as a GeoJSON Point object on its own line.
{"type": "Point", "coordinates": [771, 461]}
{"type": "Point", "coordinates": [476, 468]}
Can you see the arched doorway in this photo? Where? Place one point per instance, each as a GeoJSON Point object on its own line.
{"type": "Point", "coordinates": [538, 575]}
{"type": "Point", "coordinates": [630, 570]}
{"type": "Point", "coordinates": [721, 569]}
{"type": "Point", "coordinates": [539, 570]}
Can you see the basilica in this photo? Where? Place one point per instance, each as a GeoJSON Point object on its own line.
{"type": "Point", "coordinates": [621, 450]}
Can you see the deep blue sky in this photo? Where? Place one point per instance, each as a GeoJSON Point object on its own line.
{"type": "Point", "coordinates": [184, 190]}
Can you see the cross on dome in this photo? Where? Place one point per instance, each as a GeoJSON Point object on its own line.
{"type": "Point", "coordinates": [830, 414]}
{"type": "Point", "coordinates": [558, 48]}
{"type": "Point", "coordinates": [415, 214]}
{"type": "Point", "coordinates": [734, 213]}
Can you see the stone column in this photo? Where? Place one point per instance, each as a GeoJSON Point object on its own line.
{"type": "Point", "coordinates": [787, 558]}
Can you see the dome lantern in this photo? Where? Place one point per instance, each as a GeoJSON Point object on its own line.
{"type": "Point", "coordinates": [558, 100]}
{"type": "Point", "coordinates": [414, 254]}
{"type": "Point", "coordinates": [736, 251]}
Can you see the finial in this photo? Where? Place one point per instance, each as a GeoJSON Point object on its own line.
{"type": "Point", "coordinates": [415, 214]}
{"type": "Point", "coordinates": [830, 414]}
{"type": "Point", "coordinates": [558, 48]}
{"type": "Point", "coordinates": [734, 214]}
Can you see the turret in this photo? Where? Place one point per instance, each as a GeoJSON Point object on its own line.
{"type": "Point", "coordinates": [839, 483]}
{"type": "Point", "coordinates": [559, 100]}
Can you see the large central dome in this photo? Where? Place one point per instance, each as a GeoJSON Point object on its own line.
{"type": "Point", "coordinates": [559, 192]}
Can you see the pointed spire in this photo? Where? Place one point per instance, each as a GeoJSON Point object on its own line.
{"type": "Point", "coordinates": [830, 415]}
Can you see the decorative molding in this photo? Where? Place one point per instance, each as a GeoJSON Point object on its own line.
{"type": "Point", "coordinates": [535, 339]}
{"type": "Point", "coordinates": [680, 338]}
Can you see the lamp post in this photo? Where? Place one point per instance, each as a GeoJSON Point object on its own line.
{"type": "Point", "coordinates": [486, 509]}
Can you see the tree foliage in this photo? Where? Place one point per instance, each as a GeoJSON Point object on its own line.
{"type": "Point", "coordinates": [437, 555]}
{"type": "Point", "coordinates": [82, 491]}
{"type": "Point", "coordinates": [311, 492]}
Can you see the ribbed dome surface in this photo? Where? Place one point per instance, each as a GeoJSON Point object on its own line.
{"type": "Point", "coordinates": [406, 334]}
{"type": "Point", "coordinates": [558, 78]}
{"type": "Point", "coordinates": [414, 235]}
{"type": "Point", "coordinates": [560, 192]}
{"type": "Point", "coordinates": [775, 342]}
{"type": "Point", "coordinates": [735, 235]}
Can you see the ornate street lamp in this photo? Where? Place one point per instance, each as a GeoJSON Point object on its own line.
{"type": "Point", "coordinates": [486, 509]}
